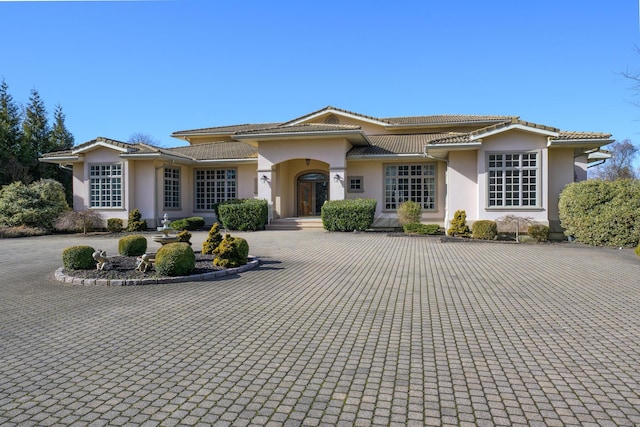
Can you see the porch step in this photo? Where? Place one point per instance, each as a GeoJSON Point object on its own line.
{"type": "Point", "coordinates": [295, 224]}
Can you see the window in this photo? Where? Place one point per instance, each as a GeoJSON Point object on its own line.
{"type": "Point", "coordinates": [355, 184]}
{"type": "Point", "coordinates": [171, 188]}
{"type": "Point", "coordinates": [513, 179]}
{"type": "Point", "coordinates": [214, 186]}
{"type": "Point", "coordinates": [105, 186]}
{"type": "Point", "coordinates": [410, 182]}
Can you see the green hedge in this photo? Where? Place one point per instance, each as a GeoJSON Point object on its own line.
{"type": "Point", "coordinates": [192, 223]}
{"type": "Point", "coordinates": [484, 229]}
{"type": "Point", "coordinates": [78, 258]}
{"type": "Point", "coordinates": [599, 212]}
{"type": "Point", "coordinates": [417, 228]}
{"type": "Point", "coordinates": [538, 232]}
{"type": "Point", "coordinates": [348, 215]}
{"type": "Point", "coordinates": [244, 215]}
{"type": "Point", "coordinates": [133, 245]}
{"type": "Point", "coordinates": [115, 225]}
{"type": "Point", "coordinates": [175, 259]}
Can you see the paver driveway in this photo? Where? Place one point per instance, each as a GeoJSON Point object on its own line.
{"type": "Point", "coordinates": [332, 329]}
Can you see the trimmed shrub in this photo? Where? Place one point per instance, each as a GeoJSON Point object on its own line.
{"type": "Point", "coordinates": [35, 205]}
{"type": "Point", "coordinates": [458, 226]}
{"type": "Point", "coordinates": [244, 215]}
{"type": "Point", "coordinates": [232, 252]}
{"type": "Point", "coordinates": [484, 229]}
{"type": "Point", "coordinates": [602, 212]}
{"type": "Point", "coordinates": [348, 215]}
{"type": "Point", "coordinates": [135, 222]}
{"type": "Point", "coordinates": [133, 245]}
{"type": "Point", "coordinates": [78, 258]}
{"type": "Point", "coordinates": [80, 221]}
{"type": "Point", "coordinates": [175, 259]}
{"type": "Point", "coordinates": [114, 225]}
{"type": "Point", "coordinates": [409, 212]}
{"type": "Point", "coordinates": [637, 250]}
{"type": "Point", "coordinates": [417, 228]}
{"type": "Point", "coordinates": [539, 232]}
{"type": "Point", "coordinates": [184, 236]}
{"type": "Point", "coordinates": [213, 239]}
{"type": "Point", "coordinates": [191, 223]}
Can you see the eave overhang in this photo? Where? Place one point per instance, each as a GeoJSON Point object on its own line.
{"type": "Point", "coordinates": [579, 143]}
{"type": "Point", "coordinates": [63, 160]}
{"type": "Point", "coordinates": [506, 127]}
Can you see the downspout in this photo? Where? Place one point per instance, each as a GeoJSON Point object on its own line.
{"type": "Point", "coordinates": [446, 184]}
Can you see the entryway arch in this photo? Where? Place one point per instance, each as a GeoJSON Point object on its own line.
{"type": "Point", "coordinates": [312, 190]}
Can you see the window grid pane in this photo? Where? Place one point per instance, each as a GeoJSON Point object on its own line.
{"type": "Point", "coordinates": [415, 183]}
{"type": "Point", "coordinates": [172, 188]}
{"type": "Point", "coordinates": [105, 186]}
{"type": "Point", "coordinates": [214, 186]}
{"type": "Point", "coordinates": [512, 179]}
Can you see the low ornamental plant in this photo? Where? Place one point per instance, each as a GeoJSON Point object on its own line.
{"type": "Point", "coordinates": [538, 232]}
{"type": "Point", "coordinates": [114, 225]}
{"type": "Point", "coordinates": [458, 226]}
{"type": "Point", "coordinates": [484, 229]}
{"type": "Point", "coordinates": [78, 258]}
{"type": "Point", "coordinates": [409, 212]}
{"type": "Point", "coordinates": [175, 259]}
{"type": "Point", "coordinates": [417, 228]}
{"type": "Point", "coordinates": [136, 223]}
{"type": "Point", "coordinates": [232, 252]}
{"type": "Point", "coordinates": [192, 223]}
{"type": "Point", "coordinates": [133, 245]}
{"type": "Point", "coordinates": [213, 239]}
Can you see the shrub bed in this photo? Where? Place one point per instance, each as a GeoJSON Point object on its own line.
{"type": "Point", "coordinates": [417, 228]}
{"type": "Point", "coordinates": [348, 215]}
{"type": "Point", "coordinates": [78, 258]}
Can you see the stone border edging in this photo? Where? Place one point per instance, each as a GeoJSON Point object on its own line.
{"type": "Point", "coordinates": [61, 277]}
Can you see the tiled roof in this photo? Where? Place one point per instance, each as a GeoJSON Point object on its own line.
{"type": "Point", "coordinates": [330, 108]}
{"type": "Point", "coordinates": [400, 144]}
{"type": "Point", "coordinates": [570, 135]}
{"type": "Point", "coordinates": [505, 124]}
{"type": "Point", "coordinates": [303, 127]}
{"type": "Point", "coordinates": [223, 150]}
{"type": "Point", "coordinates": [225, 129]}
{"type": "Point", "coordinates": [447, 119]}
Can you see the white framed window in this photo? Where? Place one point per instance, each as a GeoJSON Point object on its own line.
{"type": "Point", "coordinates": [105, 185]}
{"type": "Point", "coordinates": [355, 184]}
{"type": "Point", "coordinates": [513, 180]}
{"type": "Point", "coordinates": [414, 182]}
{"type": "Point", "coordinates": [172, 188]}
{"type": "Point", "coordinates": [214, 186]}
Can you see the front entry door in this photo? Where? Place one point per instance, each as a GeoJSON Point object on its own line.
{"type": "Point", "coordinates": [313, 191]}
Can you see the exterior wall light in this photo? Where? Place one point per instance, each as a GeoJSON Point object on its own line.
{"type": "Point", "coordinates": [264, 179]}
{"type": "Point", "coordinates": [336, 178]}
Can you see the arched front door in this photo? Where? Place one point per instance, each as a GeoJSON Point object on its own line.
{"type": "Point", "coordinates": [313, 191]}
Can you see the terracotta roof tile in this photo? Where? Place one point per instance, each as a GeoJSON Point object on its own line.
{"type": "Point", "coordinates": [225, 129]}
{"type": "Point", "coordinates": [447, 119]}
{"type": "Point", "coordinates": [570, 135]}
{"type": "Point", "coordinates": [400, 144]}
{"type": "Point", "coordinates": [303, 127]}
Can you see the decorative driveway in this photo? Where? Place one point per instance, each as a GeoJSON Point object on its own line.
{"type": "Point", "coordinates": [331, 329]}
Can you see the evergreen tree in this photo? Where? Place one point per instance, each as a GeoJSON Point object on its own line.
{"type": "Point", "coordinates": [10, 138]}
{"type": "Point", "coordinates": [60, 139]}
{"type": "Point", "coordinates": [35, 141]}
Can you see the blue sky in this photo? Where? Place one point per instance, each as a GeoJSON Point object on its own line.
{"type": "Point", "coordinates": [155, 67]}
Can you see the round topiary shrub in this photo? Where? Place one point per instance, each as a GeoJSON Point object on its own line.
{"type": "Point", "coordinates": [484, 229]}
{"type": "Point", "coordinates": [232, 252]}
{"type": "Point", "coordinates": [78, 258]}
{"type": "Point", "coordinates": [175, 259]}
{"type": "Point", "coordinates": [133, 245]}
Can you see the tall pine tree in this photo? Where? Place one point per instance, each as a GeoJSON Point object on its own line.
{"type": "Point", "coordinates": [35, 141]}
{"type": "Point", "coordinates": [10, 138]}
{"type": "Point", "coordinates": [61, 139]}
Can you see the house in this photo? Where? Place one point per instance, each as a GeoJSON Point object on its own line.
{"type": "Point", "coordinates": [490, 166]}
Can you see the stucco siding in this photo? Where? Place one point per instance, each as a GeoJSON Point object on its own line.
{"type": "Point", "coordinates": [463, 183]}
{"type": "Point", "coordinates": [561, 173]}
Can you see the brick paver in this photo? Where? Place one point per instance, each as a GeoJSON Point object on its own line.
{"type": "Point", "coordinates": [331, 329]}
